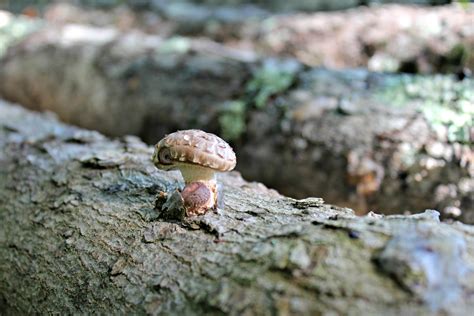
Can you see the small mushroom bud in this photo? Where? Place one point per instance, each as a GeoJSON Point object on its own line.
{"type": "Point", "coordinates": [198, 156]}
{"type": "Point", "coordinates": [198, 198]}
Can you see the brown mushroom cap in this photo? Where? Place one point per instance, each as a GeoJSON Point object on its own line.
{"type": "Point", "coordinates": [194, 147]}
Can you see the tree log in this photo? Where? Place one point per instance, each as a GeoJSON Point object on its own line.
{"type": "Point", "coordinates": [79, 234]}
{"type": "Point", "coordinates": [365, 140]}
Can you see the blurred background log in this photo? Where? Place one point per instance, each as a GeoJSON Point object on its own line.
{"type": "Point", "coordinates": [407, 38]}
{"type": "Point", "coordinates": [80, 235]}
{"type": "Point", "coordinates": [370, 141]}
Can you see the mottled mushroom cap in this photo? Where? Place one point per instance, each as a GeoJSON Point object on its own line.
{"type": "Point", "coordinates": [194, 147]}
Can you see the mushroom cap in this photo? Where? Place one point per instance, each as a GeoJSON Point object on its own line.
{"type": "Point", "coordinates": [194, 147]}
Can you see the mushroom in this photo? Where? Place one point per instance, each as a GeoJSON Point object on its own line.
{"type": "Point", "coordinates": [198, 156]}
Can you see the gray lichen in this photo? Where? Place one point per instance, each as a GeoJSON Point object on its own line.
{"type": "Point", "coordinates": [429, 263]}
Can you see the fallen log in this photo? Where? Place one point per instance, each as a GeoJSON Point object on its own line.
{"type": "Point", "coordinates": [79, 234]}
{"type": "Point", "coordinates": [392, 38]}
{"type": "Point", "coordinates": [369, 141]}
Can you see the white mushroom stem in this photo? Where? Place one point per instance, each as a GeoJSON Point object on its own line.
{"type": "Point", "coordinates": [193, 173]}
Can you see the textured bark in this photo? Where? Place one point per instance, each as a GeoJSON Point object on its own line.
{"type": "Point", "coordinates": [79, 234]}
{"type": "Point", "coordinates": [382, 38]}
{"type": "Point", "coordinates": [370, 141]}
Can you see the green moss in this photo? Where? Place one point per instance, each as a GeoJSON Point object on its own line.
{"type": "Point", "coordinates": [175, 44]}
{"type": "Point", "coordinates": [458, 54]}
{"type": "Point", "coordinates": [232, 119]}
{"type": "Point", "coordinates": [272, 78]}
{"type": "Point", "coordinates": [14, 28]}
{"type": "Point", "coordinates": [447, 103]}
{"type": "Point", "coordinates": [464, 3]}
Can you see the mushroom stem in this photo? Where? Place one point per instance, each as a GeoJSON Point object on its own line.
{"type": "Point", "coordinates": [193, 173]}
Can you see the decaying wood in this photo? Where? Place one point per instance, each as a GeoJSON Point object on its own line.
{"type": "Point", "coordinates": [356, 138]}
{"type": "Point", "coordinates": [79, 234]}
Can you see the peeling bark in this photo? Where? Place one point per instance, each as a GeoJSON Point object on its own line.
{"type": "Point", "coordinates": [79, 234]}
{"type": "Point", "coordinates": [365, 140]}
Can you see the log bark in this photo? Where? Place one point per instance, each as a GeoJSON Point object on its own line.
{"type": "Point", "coordinates": [79, 234]}
{"type": "Point", "coordinates": [365, 140]}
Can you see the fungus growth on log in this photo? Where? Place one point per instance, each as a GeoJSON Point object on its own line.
{"type": "Point", "coordinates": [198, 156]}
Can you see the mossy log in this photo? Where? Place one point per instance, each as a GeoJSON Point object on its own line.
{"type": "Point", "coordinates": [79, 234]}
{"type": "Point", "coordinates": [369, 141]}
